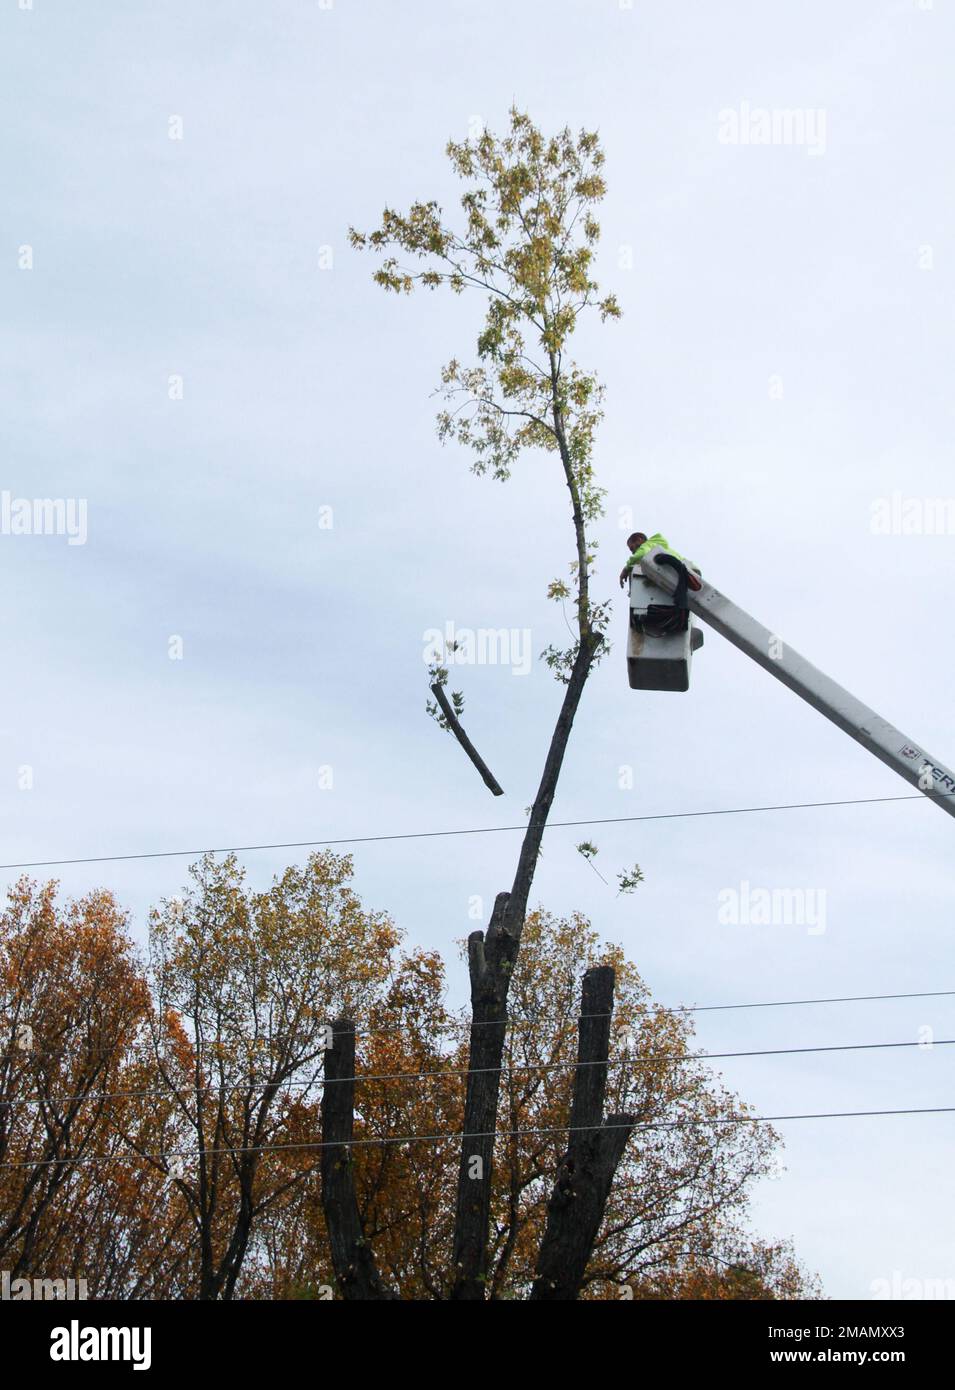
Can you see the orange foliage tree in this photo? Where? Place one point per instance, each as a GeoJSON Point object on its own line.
{"type": "Point", "coordinates": [71, 1000]}
{"type": "Point", "coordinates": [675, 1219]}
{"type": "Point", "coordinates": [160, 1126]}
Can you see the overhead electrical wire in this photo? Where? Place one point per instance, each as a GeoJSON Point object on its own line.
{"type": "Point", "coordinates": [532, 1021]}
{"type": "Point", "coordinates": [317, 1144]}
{"type": "Point", "coordinates": [458, 1072]}
{"type": "Point", "coordinates": [441, 834]}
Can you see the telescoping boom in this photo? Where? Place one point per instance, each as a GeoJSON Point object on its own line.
{"type": "Point", "coordinates": [660, 650]}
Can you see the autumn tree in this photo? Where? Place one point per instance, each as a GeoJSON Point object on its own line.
{"type": "Point", "coordinates": [171, 1147]}
{"type": "Point", "coordinates": [743, 1268]}
{"type": "Point", "coordinates": [525, 241]}
{"type": "Point", "coordinates": [71, 1000]}
{"type": "Point", "coordinates": [675, 1223]}
{"type": "Point", "coordinates": [245, 985]}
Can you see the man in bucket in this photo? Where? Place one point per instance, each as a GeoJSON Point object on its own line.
{"type": "Point", "coordinates": [639, 545]}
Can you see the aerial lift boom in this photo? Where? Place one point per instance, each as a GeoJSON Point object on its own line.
{"type": "Point", "coordinates": [659, 652]}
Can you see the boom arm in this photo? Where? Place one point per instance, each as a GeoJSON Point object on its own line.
{"type": "Point", "coordinates": [880, 737]}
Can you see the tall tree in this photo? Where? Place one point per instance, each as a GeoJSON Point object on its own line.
{"type": "Point", "coordinates": [676, 1216]}
{"type": "Point", "coordinates": [245, 987]}
{"type": "Point", "coordinates": [101, 1169]}
{"type": "Point", "coordinates": [526, 241]}
{"type": "Point", "coordinates": [71, 1001]}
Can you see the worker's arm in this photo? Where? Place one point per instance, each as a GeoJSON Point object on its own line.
{"type": "Point", "coordinates": [634, 560]}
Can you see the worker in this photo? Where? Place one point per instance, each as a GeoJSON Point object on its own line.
{"type": "Point", "coordinates": [639, 545]}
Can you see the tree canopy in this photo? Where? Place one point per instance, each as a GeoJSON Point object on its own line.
{"type": "Point", "coordinates": [180, 1097]}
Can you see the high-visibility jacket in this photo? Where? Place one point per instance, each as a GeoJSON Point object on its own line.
{"type": "Point", "coordinates": [648, 545]}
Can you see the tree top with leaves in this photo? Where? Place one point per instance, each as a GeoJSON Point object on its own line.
{"type": "Point", "coordinates": [528, 241]}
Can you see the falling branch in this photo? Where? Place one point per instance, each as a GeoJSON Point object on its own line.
{"type": "Point", "coordinates": [454, 724]}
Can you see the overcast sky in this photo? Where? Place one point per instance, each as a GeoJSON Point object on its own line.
{"type": "Point", "coordinates": [782, 371]}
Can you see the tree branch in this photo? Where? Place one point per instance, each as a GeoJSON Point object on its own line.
{"type": "Point", "coordinates": [490, 781]}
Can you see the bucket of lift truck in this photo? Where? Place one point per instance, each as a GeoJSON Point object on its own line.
{"type": "Point", "coordinates": [662, 637]}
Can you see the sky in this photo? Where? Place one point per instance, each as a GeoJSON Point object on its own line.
{"type": "Point", "coordinates": [196, 359]}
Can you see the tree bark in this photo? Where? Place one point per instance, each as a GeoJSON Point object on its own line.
{"type": "Point", "coordinates": [352, 1259]}
{"type": "Point", "coordinates": [489, 963]}
{"type": "Point", "coordinates": [530, 846]}
{"type": "Point", "coordinates": [491, 959]}
{"type": "Point", "coordinates": [595, 1148]}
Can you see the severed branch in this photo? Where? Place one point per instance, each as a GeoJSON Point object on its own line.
{"type": "Point", "coordinates": [490, 781]}
{"type": "Point", "coordinates": [595, 1148]}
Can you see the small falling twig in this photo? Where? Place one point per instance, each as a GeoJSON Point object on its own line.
{"type": "Point", "coordinates": [587, 851]}
{"type": "Point", "coordinates": [629, 879]}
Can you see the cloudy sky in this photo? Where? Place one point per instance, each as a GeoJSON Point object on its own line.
{"type": "Point", "coordinates": [190, 348]}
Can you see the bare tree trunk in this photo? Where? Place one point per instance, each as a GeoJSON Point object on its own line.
{"type": "Point", "coordinates": [352, 1258]}
{"type": "Point", "coordinates": [594, 1150]}
{"type": "Point", "coordinates": [489, 962]}
{"type": "Point", "coordinates": [491, 959]}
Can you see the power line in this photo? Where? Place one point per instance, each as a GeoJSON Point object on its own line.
{"type": "Point", "coordinates": [458, 1072]}
{"type": "Point", "coordinates": [790, 1003]}
{"type": "Point", "coordinates": [482, 1134]}
{"type": "Point", "coordinates": [532, 1021]}
{"type": "Point", "coordinates": [441, 834]}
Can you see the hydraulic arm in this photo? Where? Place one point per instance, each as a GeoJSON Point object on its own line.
{"type": "Point", "coordinates": [881, 738]}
